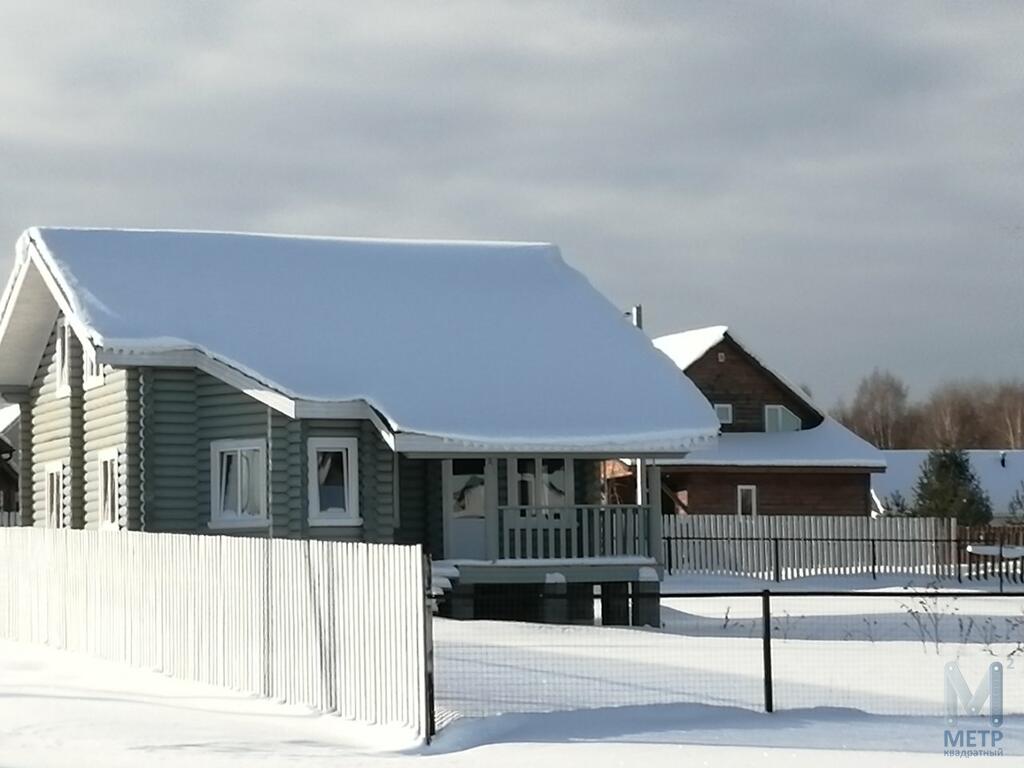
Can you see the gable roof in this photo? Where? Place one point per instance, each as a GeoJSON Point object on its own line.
{"type": "Point", "coordinates": [999, 472]}
{"type": "Point", "coordinates": [687, 347]}
{"type": "Point", "coordinates": [455, 345]}
{"type": "Point", "coordinates": [826, 445]}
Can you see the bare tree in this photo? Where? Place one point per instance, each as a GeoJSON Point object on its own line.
{"type": "Point", "coordinates": [950, 417]}
{"type": "Point", "coordinates": [879, 410]}
{"type": "Point", "coordinates": [960, 414]}
{"type": "Point", "coordinates": [1007, 414]}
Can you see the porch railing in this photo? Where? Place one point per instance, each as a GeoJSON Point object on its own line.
{"type": "Point", "coordinates": [577, 532]}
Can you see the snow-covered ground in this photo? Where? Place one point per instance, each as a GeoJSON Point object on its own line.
{"type": "Point", "coordinates": [61, 709]}
{"type": "Point", "coordinates": [876, 655]}
{"type": "Point", "coordinates": [519, 694]}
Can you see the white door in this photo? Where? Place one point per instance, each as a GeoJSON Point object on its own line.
{"type": "Point", "coordinates": [467, 485]}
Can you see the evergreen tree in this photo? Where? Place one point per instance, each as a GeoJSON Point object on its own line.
{"type": "Point", "coordinates": [895, 505]}
{"type": "Point", "coordinates": [948, 487]}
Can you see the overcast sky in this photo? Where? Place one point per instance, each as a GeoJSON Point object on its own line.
{"type": "Point", "coordinates": [841, 183]}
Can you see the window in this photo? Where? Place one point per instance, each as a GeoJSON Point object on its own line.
{"type": "Point", "coordinates": [468, 488]}
{"type": "Point", "coordinates": [108, 489]}
{"type": "Point", "coordinates": [778, 418]}
{"type": "Point", "coordinates": [334, 481]}
{"type": "Point", "coordinates": [62, 358]}
{"type": "Point", "coordinates": [746, 500]}
{"type": "Point", "coordinates": [723, 411]}
{"type": "Point", "coordinates": [552, 487]}
{"type": "Point", "coordinates": [93, 375]}
{"type": "Point", "coordinates": [238, 490]}
{"type": "Point", "coordinates": [54, 498]}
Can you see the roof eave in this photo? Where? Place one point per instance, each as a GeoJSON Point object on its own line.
{"type": "Point", "coordinates": [612, 447]}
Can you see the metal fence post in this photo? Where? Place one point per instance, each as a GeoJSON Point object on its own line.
{"type": "Point", "coordinates": [1001, 564]}
{"type": "Point", "coordinates": [775, 561]}
{"type": "Point", "coordinates": [874, 561]}
{"type": "Point", "coordinates": [766, 642]}
{"type": "Point", "coordinates": [430, 726]}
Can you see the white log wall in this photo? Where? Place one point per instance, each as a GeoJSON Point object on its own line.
{"type": "Point", "coordinates": [338, 626]}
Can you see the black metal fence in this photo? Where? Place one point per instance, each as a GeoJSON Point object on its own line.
{"type": "Point", "coordinates": [779, 558]}
{"type": "Point", "coordinates": [881, 652]}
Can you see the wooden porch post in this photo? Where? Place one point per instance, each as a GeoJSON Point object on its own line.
{"type": "Point", "coordinates": [491, 507]}
{"type": "Point", "coordinates": [641, 481]}
{"type": "Point", "coordinates": [653, 501]}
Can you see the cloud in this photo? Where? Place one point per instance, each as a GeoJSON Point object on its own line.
{"type": "Point", "coordinates": [839, 182]}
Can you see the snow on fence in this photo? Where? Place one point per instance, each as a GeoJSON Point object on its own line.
{"type": "Point", "coordinates": [785, 547]}
{"type": "Point", "coordinates": [340, 627]}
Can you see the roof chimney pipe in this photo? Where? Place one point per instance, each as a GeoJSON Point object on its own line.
{"type": "Point", "coordinates": [636, 314]}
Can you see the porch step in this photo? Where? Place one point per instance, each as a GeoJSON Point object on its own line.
{"type": "Point", "coordinates": [443, 578]}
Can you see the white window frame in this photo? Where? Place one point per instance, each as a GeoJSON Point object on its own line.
{"type": "Point", "coordinates": [753, 500]}
{"type": "Point", "coordinates": [54, 514]}
{"type": "Point", "coordinates": [512, 479]}
{"type": "Point", "coordinates": [726, 410]}
{"type": "Point", "coordinates": [105, 460]}
{"type": "Point", "coordinates": [92, 370]}
{"type": "Point", "coordinates": [62, 358]}
{"type": "Point", "coordinates": [781, 410]}
{"type": "Point", "coordinates": [218, 520]}
{"type": "Point", "coordinates": [350, 515]}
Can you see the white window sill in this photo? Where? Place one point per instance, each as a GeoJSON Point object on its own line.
{"type": "Point", "coordinates": [337, 521]}
{"type": "Point", "coordinates": [238, 524]}
{"type": "Point", "coordinates": [89, 383]}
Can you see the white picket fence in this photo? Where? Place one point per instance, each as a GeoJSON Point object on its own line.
{"type": "Point", "coordinates": [786, 547]}
{"type": "Point", "coordinates": [341, 627]}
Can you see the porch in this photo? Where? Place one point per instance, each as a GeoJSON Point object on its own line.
{"type": "Point", "coordinates": [532, 539]}
{"type": "Point", "coordinates": [507, 510]}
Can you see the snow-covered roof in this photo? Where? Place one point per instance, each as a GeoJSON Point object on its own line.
{"type": "Point", "coordinates": [687, 347]}
{"type": "Point", "coordinates": [829, 444]}
{"type": "Point", "coordinates": [999, 472]}
{"type": "Point", "coordinates": [458, 345]}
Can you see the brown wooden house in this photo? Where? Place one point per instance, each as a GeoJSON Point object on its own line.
{"type": "Point", "coordinates": [777, 454]}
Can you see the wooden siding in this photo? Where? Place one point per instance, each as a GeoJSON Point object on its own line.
{"type": "Point", "coordinates": [186, 410]}
{"type": "Point", "coordinates": [419, 488]}
{"type": "Point", "coordinates": [73, 429]}
{"type": "Point", "coordinates": [376, 482]}
{"type": "Point", "coordinates": [56, 422]}
{"type": "Point", "coordinates": [111, 421]}
{"type": "Point", "coordinates": [169, 463]}
{"type": "Point", "coordinates": [778, 493]}
{"type": "Point", "coordinates": [25, 468]}
{"type": "Point", "coordinates": [745, 384]}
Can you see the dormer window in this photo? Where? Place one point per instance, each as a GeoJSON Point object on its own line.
{"type": "Point", "coordinates": [778, 418]}
{"type": "Point", "coordinates": [62, 358]}
{"type": "Point", "coordinates": [723, 412]}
